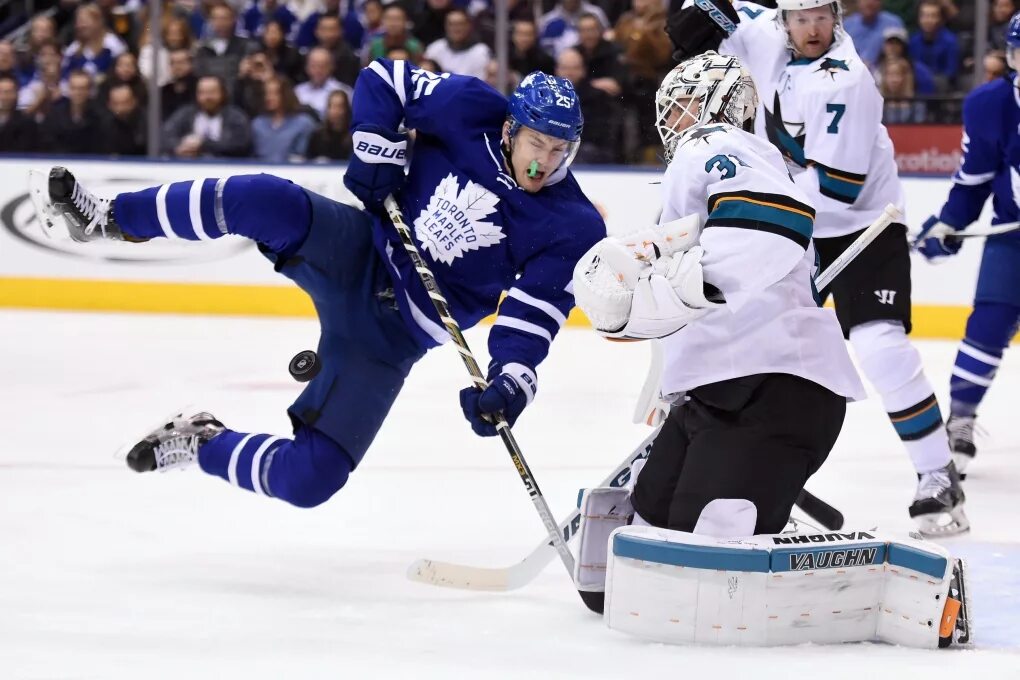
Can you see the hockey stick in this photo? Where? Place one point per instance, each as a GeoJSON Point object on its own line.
{"type": "Point", "coordinates": [435, 572]}
{"type": "Point", "coordinates": [942, 230]}
{"type": "Point", "coordinates": [443, 310]}
{"type": "Point", "coordinates": [524, 572]}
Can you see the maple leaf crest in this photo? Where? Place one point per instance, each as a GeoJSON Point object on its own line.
{"type": "Point", "coordinates": [454, 221]}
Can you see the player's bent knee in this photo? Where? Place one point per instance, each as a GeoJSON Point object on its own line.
{"type": "Point", "coordinates": [672, 586]}
{"type": "Point", "coordinates": [310, 470]}
{"type": "Point", "coordinates": [266, 208]}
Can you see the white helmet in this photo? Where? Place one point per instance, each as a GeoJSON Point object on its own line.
{"type": "Point", "coordinates": [720, 84]}
{"type": "Point", "coordinates": [784, 6]}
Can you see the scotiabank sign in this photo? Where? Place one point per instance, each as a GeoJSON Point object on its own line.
{"type": "Point", "coordinates": [926, 149]}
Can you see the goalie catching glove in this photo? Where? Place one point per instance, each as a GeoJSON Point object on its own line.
{"type": "Point", "coordinates": [628, 298]}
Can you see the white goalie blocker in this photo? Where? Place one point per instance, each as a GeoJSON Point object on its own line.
{"type": "Point", "coordinates": [783, 589]}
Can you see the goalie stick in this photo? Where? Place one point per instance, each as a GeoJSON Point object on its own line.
{"type": "Point", "coordinates": [452, 575]}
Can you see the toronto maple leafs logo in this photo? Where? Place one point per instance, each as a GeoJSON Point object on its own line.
{"type": "Point", "coordinates": [454, 223]}
{"type": "Point", "coordinates": [832, 66]}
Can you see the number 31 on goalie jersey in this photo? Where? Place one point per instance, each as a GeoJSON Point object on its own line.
{"type": "Point", "coordinates": [725, 165]}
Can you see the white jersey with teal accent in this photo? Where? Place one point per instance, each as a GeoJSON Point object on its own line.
{"type": "Point", "coordinates": [825, 116]}
{"type": "Point", "coordinates": [758, 253]}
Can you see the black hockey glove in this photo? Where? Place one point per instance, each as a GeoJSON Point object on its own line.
{"type": "Point", "coordinates": [701, 27]}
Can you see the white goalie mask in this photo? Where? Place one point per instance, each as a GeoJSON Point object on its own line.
{"type": "Point", "coordinates": [709, 88]}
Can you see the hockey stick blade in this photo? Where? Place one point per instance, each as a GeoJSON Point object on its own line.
{"type": "Point", "coordinates": [465, 577]}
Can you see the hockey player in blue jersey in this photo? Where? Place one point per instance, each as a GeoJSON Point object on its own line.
{"type": "Point", "coordinates": [493, 206]}
{"type": "Point", "coordinates": [991, 161]}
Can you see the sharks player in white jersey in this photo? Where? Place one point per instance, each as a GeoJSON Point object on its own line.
{"type": "Point", "coordinates": [820, 107]}
{"type": "Point", "coordinates": [726, 281]}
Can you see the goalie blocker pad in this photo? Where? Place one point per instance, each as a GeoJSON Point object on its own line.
{"type": "Point", "coordinates": [848, 586]}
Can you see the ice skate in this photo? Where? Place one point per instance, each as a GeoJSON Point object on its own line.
{"type": "Point", "coordinates": [955, 626]}
{"type": "Point", "coordinates": [66, 209]}
{"type": "Point", "coordinates": [938, 503]}
{"type": "Point", "coordinates": [173, 444]}
{"type": "Point", "coordinates": [961, 440]}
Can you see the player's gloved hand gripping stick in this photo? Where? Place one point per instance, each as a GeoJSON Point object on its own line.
{"type": "Point", "coordinates": [443, 309]}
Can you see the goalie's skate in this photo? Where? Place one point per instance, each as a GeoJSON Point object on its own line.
{"type": "Point", "coordinates": [955, 626]}
{"type": "Point", "coordinates": [66, 209]}
{"type": "Point", "coordinates": [174, 444]}
{"type": "Point", "coordinates": [938, 503]}
{"type": "Point", "coordinates": [960, 430]}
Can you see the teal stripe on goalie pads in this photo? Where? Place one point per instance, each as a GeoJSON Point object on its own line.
{"type": "Point", "coordinates": [741, 209]}
{"type": "Point", "coordinates": [917, 560]}
{"type": "Point", "coordinates": [687, 555]}
{"type": "Point", "coordinates": [827, 557]}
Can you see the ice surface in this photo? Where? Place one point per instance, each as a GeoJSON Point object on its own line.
{"type": "Point", "coordinates": [108, 574]}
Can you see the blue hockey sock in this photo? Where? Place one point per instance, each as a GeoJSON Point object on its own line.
{"type": "Point", "coordinates": [990, 328]}
{"type": "Point", "coordinates": [264, 208]}
{"type": "Point", "coordinates": [305, 471]}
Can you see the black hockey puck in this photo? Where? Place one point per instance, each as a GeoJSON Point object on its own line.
{"type": "Point", "coordinates": [304, 366]}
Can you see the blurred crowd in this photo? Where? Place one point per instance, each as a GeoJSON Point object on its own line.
{"type": "Point", "coordinates": [273, 79]}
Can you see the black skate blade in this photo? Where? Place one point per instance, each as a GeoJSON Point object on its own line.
{"type": "Point", "coordinates": [593, 600]}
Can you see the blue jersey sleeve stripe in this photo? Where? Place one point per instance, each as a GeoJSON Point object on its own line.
{"type": "Point", "coordinates": [381, 71]}
{"type": "Point", "coordinates": [524, 326]}
{"type": "Point", "coordinates": [178, 209]}
{"type": "Point", "coordinates": [399, 86]}
{"type": "Point", "coordinates": [972, 180]}
{"type": "Point", "coordinates": [195, 210]}
{"type": "Point", "coordinates": [161, 212]}
{"type": "Point", "coordinates": [555, 314]}
{"type": "Point", "coordinates": [207, 209]}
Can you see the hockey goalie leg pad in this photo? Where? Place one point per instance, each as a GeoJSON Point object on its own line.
{"type": "Point", "coordinates": [852, 586]}
{"type": "Point", "coordinates": [602, 510]}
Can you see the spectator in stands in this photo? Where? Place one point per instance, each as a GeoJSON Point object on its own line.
{"type": "Point", "coordinates": [513, 78]}
{"type": "Point", "coordinates": [999, 16]}
{"type": "Point", "coordinates": [316, 90]}
{"type": "Point", "coordinates": [371, 19]}
{"type": "Point", "coordinates": [176, 36]}
{"type": "Point", "coordinates": [180, 91]}
{"type": "Point", "coordinates": [867, 28]}
{"type": "Point", "coordinates": [395, 34]}
{"type": "Point", "coordinates": [431, 25]}
{"type": "Point", "coordinates": [18, 132]}
{"type": "Point", "coordinates": [124, 130]}
{"type": "Point", "coordinates": [36, 98]}
{"type": "Point", "coordinates": [125, 72]}
{"type": "Point", "coordinates": [897, 88]}
{"type": "Point", "coordinates": [282, 132]}
{"type": "Point", "coordinates": [332, 140]}
{"type": "Point", "coordinates": [221, 53]}
{"type": "Point", "coordinates": [525, 54]}
{"type": "Point", "coordinates": [995, 65]}
{"type": "Point", "coordinates": [209, 127]}
{"type": "Point", "coordinates": [558, 28]}
{"type": "Point", "coordinates": [353, 31]}
{"type": "Point", "coordinates": [9, 61]}
{"type": "Point", "coordinates": [329, 35]}
{"type": "Point", "coordinates": [601, 111]}
{"type": "Point", "coordinates": [647, 54]}
{"type": "Point", "coordinates": [485, 20]}
{"type": "Point", "coordinates": [934, 45]}
{"type": "Point", "coordinates": [895, 47]}
{"type": "Point", "coordinates": [260, 12]}
{"type": "Point", "coordinates": [284, 58]}
{"type": "Point", "coordinates": [41, 31]}
{"type": "Point", "coordinates": [73, 124]}
{"type": "Point", "coordinates": [459, 52]}
{"type": "Point", "coordinates": [94, 48]}
{"type": "Point", "coordinates": [249, 92]}
{"type": "Point", "coordinates": [605, 68]}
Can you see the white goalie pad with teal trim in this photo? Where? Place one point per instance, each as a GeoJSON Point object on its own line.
{"type": "Point", "coordinates": [847, 586]}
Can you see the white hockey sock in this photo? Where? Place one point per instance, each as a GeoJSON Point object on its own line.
{"type": "Point", "coordinates": [893, 366]}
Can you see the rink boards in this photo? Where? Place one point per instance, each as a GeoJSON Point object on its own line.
{"type": "Point", "coordinates": [229, 276]}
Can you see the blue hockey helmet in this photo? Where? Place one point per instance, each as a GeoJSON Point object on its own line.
{"type": "Point", "coordinates": [549, 105]}
{"type": "Point", "coordinates": [1013, 40]}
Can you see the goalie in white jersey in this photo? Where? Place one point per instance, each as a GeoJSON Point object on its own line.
{"type": "Point", "coordinates": [820, 107]}
{"type": "Point", "coordinates": [726, 281]}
